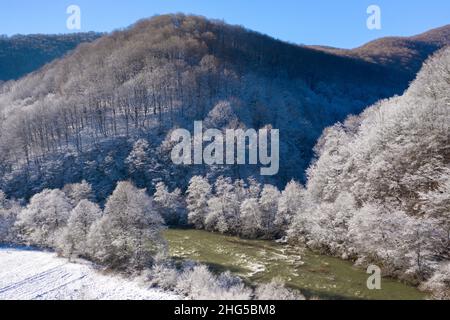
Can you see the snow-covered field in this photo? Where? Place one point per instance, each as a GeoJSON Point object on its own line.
{"type": "Point", "coordinates": [35, 275]}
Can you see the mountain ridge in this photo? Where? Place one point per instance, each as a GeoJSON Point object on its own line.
{"type": "Point", "coordinates": [87, 111]}
{"type": "Point", "coordinates": [22, 54]}
{"type": "Point", "coordinates": [398, 52]}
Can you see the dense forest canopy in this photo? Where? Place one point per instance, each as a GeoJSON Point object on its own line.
{"type": "Point", "coordinates": [22, 54]}
{"type": "Point", "coordinates": [377, 189]}
{"type": "Point", "coordinates": [79, 117]}
{"type": "Point", "coordinates": [378, 193]}
{"type": "Point", "coordinates": [380, 188]}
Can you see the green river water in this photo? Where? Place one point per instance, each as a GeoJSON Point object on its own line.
{"type": "Point", "coordinates": [259, 261]}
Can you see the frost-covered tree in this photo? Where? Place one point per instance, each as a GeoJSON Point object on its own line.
{"type": "Point", "coordinates": [397, 240]}
{"type": "Point", "coordinates": [163, 276]}
{"type": "Point", "coordinates": [198, 283]}
{"type": "Point", "coordinates": [78, 191]}
{"type": "Point", "coordinates": [276, 290]}
{"type": "Point", "coordinates": [377, 234]}
{"type": "Point", "coordinates": [73, 240]}
{"type": "Point", "coordinates": [439, 283]}
{"type": "Point", "coordinates": [250, 219]}
{"type": "Point", "coordinates": [170, 205]}
{"type": "Point", "coordinates": [9, 210]}
{"type": "Point", "coordinates": [44, 218]}
{"type": "Point", "coordinates": [139, 163]}
{"type": "Point", "coordinates": [268, 203]}
{"type": "Point", "coordinates": [198, 194]}
{"type": "Point", "coordinates": [420, 244]}
{"type": "Point", "coordinates": [329, 230]}
{"type": "Point", "coordinates": [216, 218]}
{"type": "Point", "coordinates": [240, 190]}
{"type": "Point", "coordinates": [129, 233]}
{"type": "Point", "coordinates": [232, 194]}
{"type": "Point", "coordinates": [324, 174]}
{"type": "Point", "coordinates": [254, 188]}
{"type": "Point", "coordinates": [436, 205]}
{"type": "Point", "coordinates": [290, 202]}
{"type": "Point", "coordinates": [223, 207]}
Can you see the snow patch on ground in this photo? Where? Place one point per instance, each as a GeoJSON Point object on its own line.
{"type": "Point", "coordinates": [35, 275]}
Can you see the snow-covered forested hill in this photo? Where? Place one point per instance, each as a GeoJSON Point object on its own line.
{"type": "Point", "coordinates": [22, 54]}
{"type": "Point", "coordinates": [79, 117]}
{"type": "Point", "coordinates": [380, 188]}
{"type": "Point", "coordinates": [377, 193]}
{"type": "Point", "coordinates": [34, 275]}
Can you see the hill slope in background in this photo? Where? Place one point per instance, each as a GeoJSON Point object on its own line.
{"type": "Point", "coordinates": [22, 54]}
{"type": "Point", "coordinates": [401, 53]}
{"type": "Point", "coordinates": [79, 117]}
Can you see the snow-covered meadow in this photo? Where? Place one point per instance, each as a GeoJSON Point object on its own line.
{"type": "Point", "coordinates": [35, 275]}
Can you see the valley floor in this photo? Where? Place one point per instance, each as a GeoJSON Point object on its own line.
{"type": "Point", "coordinates": [35, 275]}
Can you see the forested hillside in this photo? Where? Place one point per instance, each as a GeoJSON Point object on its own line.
{"type": "Point", "coordinates": [405, 54]}
{"type": "Point", "coordinates": [22, 54]}
{"type": "Point", "coordinates": [380, 188]}
{"type": "Point", "coordinates": [378, 193]}
{"type": "Point", "coordinates": [377, 190]}
{"type": "Point", "coordinates": [79, 117]}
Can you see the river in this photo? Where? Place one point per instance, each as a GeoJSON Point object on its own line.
{"type": "Point", "coordinates": [257, 261]}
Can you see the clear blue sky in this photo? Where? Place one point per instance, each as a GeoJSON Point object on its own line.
{"type": "Point", "coordinates": [340, 23]}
